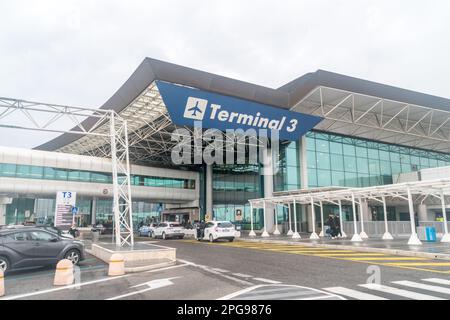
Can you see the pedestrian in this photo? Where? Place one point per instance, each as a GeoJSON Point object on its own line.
{"type": "Point", "coordinates": [73, 231]}
{"type": "Point", "coordinates": [332, 226]}
{"type": "Point", "coordinates": [337, 223]}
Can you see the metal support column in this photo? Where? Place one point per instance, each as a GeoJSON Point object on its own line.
{"type": "Point", "coordinates": [252, 232]}
{"type": "Point", "coordinates": [414, 239]}
{"type": "Point", "coordinates": [265, 234]}
{"type": "Point", "coordinates": [446, 236]}
{"type": "Point", "coordinates": [363, 234]}
{"type": "Point", "coordinates": [356, 237]}
{"type": "Point", "coordinates": [296, 235]}
{"type": "Point", "coordinates": [387, 235]}
{"type": "Point", "coordinates": [313, 216]}
{"type": "Point", "coordinates": [344, 235]}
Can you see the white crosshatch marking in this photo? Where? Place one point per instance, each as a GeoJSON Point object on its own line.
{"type": "Point", "coordinates": [195, 108]}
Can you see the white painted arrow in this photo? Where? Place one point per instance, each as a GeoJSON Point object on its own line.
{"type": "Point", "coordinates": [152, 285]}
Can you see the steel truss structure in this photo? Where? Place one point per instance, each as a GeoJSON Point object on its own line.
{"type": "Point", "coordinates": [92, 126]}
{"type": "Point", "coordinates": [411, 192]}
{"type": "Point", "coordinates": [375, 118]}
{"type": "Point", "coordinates": [151, 132]}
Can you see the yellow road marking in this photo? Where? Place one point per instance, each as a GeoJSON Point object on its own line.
{"type": "Point", "coordinates": [418, 264]}
{"type": "Point", "coordinates": [343, 255]}
{"type": "Point", "coordinates": [388, 259]}
{"type": "Point", "coordinates": [312, 252]}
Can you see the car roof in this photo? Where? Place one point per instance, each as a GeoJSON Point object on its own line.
{"type": "Point", "coordinates": [18, 229]}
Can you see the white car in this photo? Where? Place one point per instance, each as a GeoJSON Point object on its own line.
{"type": "Point", "coordinates": [216, 230]}
{"type": "Point", "coordinates": [168, 230]}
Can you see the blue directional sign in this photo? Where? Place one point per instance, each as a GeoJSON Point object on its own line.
{"type": "Point", "coordinates": [188, 105]}
{"type": "Point", "coordinates": [74, 211]}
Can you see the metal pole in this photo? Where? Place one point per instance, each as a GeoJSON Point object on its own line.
{"type": "Point", "coordinates": [265, 234]}
{"type": "Point", "coordinates": [252, 232]}
{"type": "Point", "coordinates": [276, 232]}
{"type": "Point", "coordinates": [363, 234]}
{"type": "Point", "coordinates": [344, 235]}
{"type": "Point", "coordinates": [313, 216]}
{"type": "Point", "coordinates": [296, 235]}
{"type": "Point", "coordinates": [414, 239]}
{"type": "Point", "coordinates": [356, 237]}
{"type": "Point", "coordinates": [386, 235]}
{"type": "Point", "coordinates": [130, 203]}
{"type": "Point", "coordinates": [446, 236]}
{"type": "Point", "coordinates": [116, 208]}
{"type": "Point", "coordinates": [321, 234]}
{"type": "Point", "coordinates": [290, 232]}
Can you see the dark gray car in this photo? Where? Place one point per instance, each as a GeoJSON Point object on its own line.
{"type": "Point", "coordinates": [31, 247]}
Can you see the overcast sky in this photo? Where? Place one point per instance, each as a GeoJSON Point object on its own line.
{"type": "Point", "coordinates": [80, 52]}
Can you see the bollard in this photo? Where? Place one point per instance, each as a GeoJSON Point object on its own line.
{"type": "Point", "coordinates": [64, 273]}
{"type": "Point", "coordinates": [2, 283]}
{"type": "Point", "coordinates": [116, 265]}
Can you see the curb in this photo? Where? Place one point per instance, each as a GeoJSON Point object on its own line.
{"type": "Point", "coordinates": [149, 267]}
{"type": "Point", "coordinates": [397, 252]}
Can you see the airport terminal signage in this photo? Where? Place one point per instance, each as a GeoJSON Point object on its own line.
{"type": "Point", "coordinates": [188, 105]}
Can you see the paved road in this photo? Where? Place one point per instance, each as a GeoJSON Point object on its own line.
{"type": "Point", "coordinates": [242, 270]}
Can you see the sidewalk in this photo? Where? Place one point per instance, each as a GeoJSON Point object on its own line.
{"type": "Point", "coordinates": [433, 250]}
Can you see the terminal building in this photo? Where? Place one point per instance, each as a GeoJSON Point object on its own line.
{"type": "Point", "coordinates": [353, 133]}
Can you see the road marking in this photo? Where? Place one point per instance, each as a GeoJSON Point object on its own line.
{"type": "Point", "coordinates": [438, 281]}
{"type": "Point", "coordinates": [267, 280]}
{"type": "Point", "coordinates": [242, 275]}
{"type": "Point", "coordinates": [324, 294]}
{"type": "Point", "coordinates": [77, 285]}
{"type": "Point", "coordinates": [220, 270]}
{"type": "Point", "coordinates": [152, 285]}
{"type": "Point", "coordinates": [423, 286]}
{"type": "Point", "coordinates": [399, 292]}
{"type": "Point", "coordinates": [312, 253]}
{"type": "Point", "coordinates": [343, 255]}
{"type": "Point", "coordinates": [353, 293]}
{"type": "Point", "coordinates": [19, 296]}
{"type": "Point", "coordinates": [418, 264]}
{"type": "Point", "coordinates": [389, 259]}
{"type": "Point", "coordinates": [210, 270]}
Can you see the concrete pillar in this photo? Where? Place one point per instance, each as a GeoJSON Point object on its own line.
{"type": "Point", "coordinates": [94, 211]}
{"type": "Point", "coordinates": [209, 191]}
{"type": "Point", "coordinates": [308, 217]}
{"type": "Point", "coordinates": [303, 156]}
{"type": "Point", "coordinates": [422, 212]}
{"type": "Point", "coordinates": [268, 188]}
{"type": "Point", "coordinates": [4, 201]}
{"type": "Point", "coordinates": [2, 214]}
{"type": "Point", "coordinates": [367, 214]}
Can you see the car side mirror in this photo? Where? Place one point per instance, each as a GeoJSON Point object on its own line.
{"type": "Point", "coordinates": [54, 239]}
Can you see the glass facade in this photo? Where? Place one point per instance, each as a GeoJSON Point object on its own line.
{"type": "Point", "coordinates": [233, 186]}
{"type": "Point", "coordinates": [48, 173]}
{"type": "Point", "coordinates": [287, 169]}
{"type": "Point", "coordinates": [335, 160]}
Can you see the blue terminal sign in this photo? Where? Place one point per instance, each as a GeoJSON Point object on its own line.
{"type": "Point", "coordinates": [188, 105]}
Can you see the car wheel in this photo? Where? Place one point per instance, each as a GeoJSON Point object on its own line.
{"type": "Point", "coordinates": [180, 237]}
{"type": "Point", "coordinates": [164, 236]}
{"type": "Point", "coordinates": [73, 255]}
{"type": "Point", "coordinates": [211, 238]}
{"type": "Point", "coordinates": [230, 240]}
{"type": "Point", "coordinates": [4, 264]}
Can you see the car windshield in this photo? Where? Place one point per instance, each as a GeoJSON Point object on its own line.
{"type": "Point", "coordinates": [174, 225]}
{"type": "Point", "coordinates": [225, 225]}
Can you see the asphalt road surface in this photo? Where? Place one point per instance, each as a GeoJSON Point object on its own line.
{"type": "Point", "coordinates": [251, 271]}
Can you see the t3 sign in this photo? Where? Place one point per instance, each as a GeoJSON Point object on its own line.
{"type": "Point", "coordinates": [187, 105]}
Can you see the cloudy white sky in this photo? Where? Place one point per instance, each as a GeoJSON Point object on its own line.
{"type": "Point", "coordinates": [80, 52]}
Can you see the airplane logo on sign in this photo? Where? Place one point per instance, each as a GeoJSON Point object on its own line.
{"type": "Point", "coordinates": [195, 108]}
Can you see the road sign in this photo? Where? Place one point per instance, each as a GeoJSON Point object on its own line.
{"type": "Point", "coordinates": [65, 201]}
{"type": "Point", "coordinates": [74, 211]}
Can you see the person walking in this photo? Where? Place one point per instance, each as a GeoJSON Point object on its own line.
{"type": "Point", "coordinates": [337, 224]}
{"type": "Point", "coordinates": [332, 226]}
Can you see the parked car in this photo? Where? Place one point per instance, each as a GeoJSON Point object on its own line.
{"type": "Point", "coordinates": [56, 230]}
{"type": "Point", "coordinates": [31, 247]}
{"type": "Point", "coordinates": [166, 230]}
{"type": "Point", "coordinates": [218, 230]}
{"type": "Point", "coordinates": [147, 231]}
